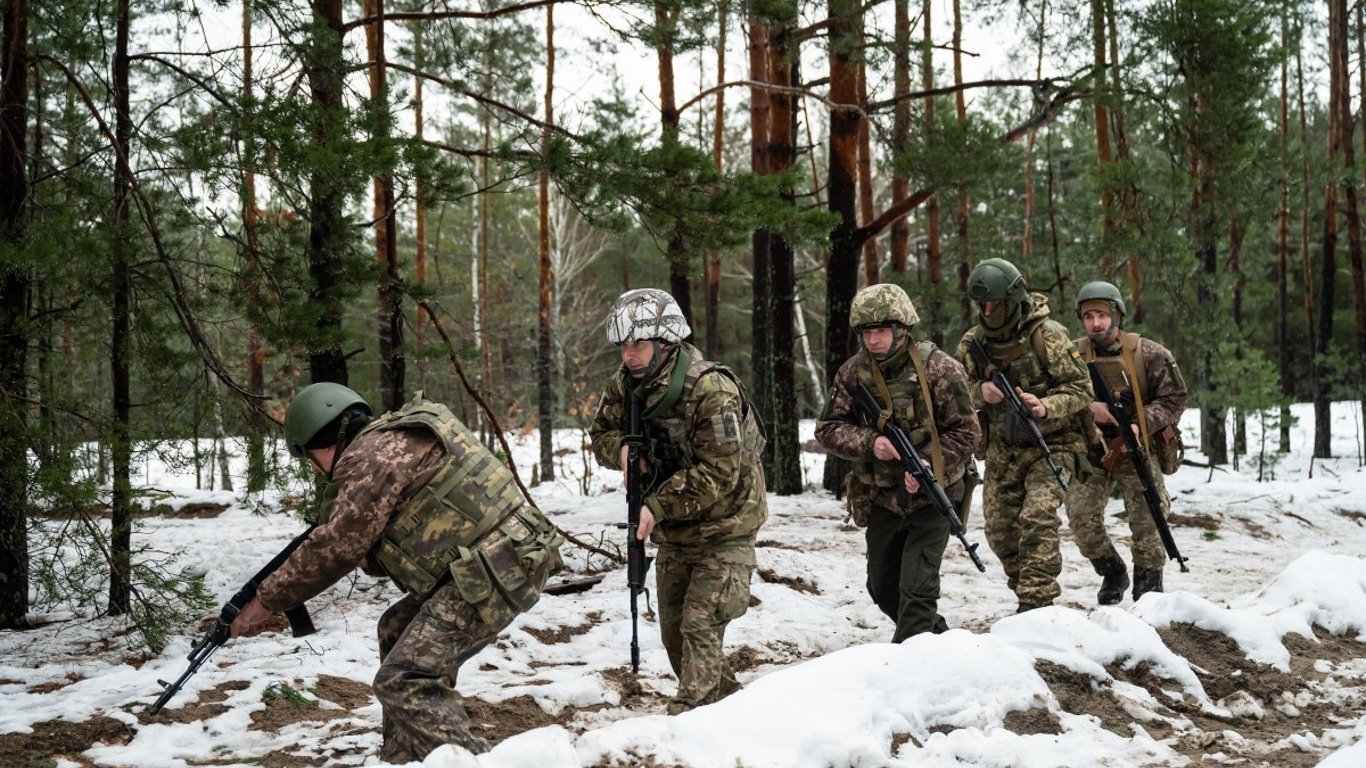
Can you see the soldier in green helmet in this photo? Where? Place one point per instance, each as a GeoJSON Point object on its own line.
{"type": "Point", "coordinates": [704, 494]}
{"type": "Point", "coordinates": [924, 391]}
{"type": "Point", "coordinates": [1144, 377]}
{"type": "Point", "coordinates": [414, 496]}
{"type": "Point", "coordinates": [1021, 495]}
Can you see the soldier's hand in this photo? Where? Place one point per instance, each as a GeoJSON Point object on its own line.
{"type": "Point", "coordinates": [625, 453]}
{"type": "Point", "coordinates": [250, 618]}
{"type": "Point", "coordinates": [1102, 414]}
{"type": "Point", "coordinates": [992, 393]}
{"type": "Point", "coordinates": [647, 523]}
{"type": "Point", "coordinates": [912, 485]}
{"type": "Point", "coordinates": [883, 450]}
{"type": "Point", "coordinates": [1034, 404]}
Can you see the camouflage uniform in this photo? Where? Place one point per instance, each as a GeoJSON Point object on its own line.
{"type": "Point", "coordinates": [1020, 495]}
{"type": "Point", "coordinates": [707, 498]}
{"type": "Point", "coordinates": [398, 494]}
{"type": "Point", "coordinates": [905, 534]}
{"type": "Point", "coordinates": [1163, 403]}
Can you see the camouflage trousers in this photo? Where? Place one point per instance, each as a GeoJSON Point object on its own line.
{"type": "Point", "coordinates": [904, 555]}
{"type": "Point", "coordinates": [1086, 516]}
{"type": "Point", "coordinates": [421, 647]}
{"type": "Point", "coordinates": [699, 591]}
{"type": "Point", "coordinates": [1020, 500]}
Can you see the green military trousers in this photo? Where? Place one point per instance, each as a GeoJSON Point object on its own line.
{"type": "Point", "coordinates": [904, 556]}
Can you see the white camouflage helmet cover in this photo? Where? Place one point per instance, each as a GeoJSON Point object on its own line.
{"type": "Point", "coordinates": [646, 313]}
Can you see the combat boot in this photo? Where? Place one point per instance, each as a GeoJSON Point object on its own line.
{"type": "Point", "coordinates": [1114, 578]}
{"type": "Point", "coordinates": [1146, 580]}
{"type": "Point", "coordinates": [1024, 607]}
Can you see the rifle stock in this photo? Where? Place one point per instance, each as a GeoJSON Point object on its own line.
{"type": "Point", "coordinates": [1017, 406]}
{"type": "Point", "coordinates": [1139, 459]}
{"type": "Point", "coordinates": [637, 564]}
{"type": "Point", "coordinates": [299, 622]}
{"type": "Point", "coordinates": [910, 459]}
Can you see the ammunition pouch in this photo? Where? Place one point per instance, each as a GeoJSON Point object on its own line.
{"type": "Point", "coordinates": [1168, 449]}
{"type": "Point", "coordinates": [858, 499]}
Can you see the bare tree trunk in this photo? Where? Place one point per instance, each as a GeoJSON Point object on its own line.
{"type": "Point", "coordinates": [481, 308]}
{"type": "Point", "coordinates": [786, 475]}
{"type": "Point", "coordinates": [419, 34]}
{"type": "Point", "coordinates": [1323, 435]}
{"type": "Point", "coordinates": [760, 109]}
{"type": "Point", "coordinates": [666, 27]}
{"type": "Point", "coordinates": [256, 351]}
{"type": "Point", "coordinates": [718, 139]}
{"type": "Point", "coordinates": [1104, 154]}
{"type": "Point", "coordinates": [1027, 239]}
{"type": "Point", "coordinates": [326, 238]}
{"type": "Point", "coordinates": [1283, 248]}
{"type": "Point", "coordinates": [962, 218]}
{"type": "Point", "coordinates": [1128, 192]}
{"type": "Point", "coordinates": [390, 294]}
{"type": "Point", "coordinates": [15, 299]}
{"type": "Point", "coordinates": [1353, 210]}
{"type": "Point", "coordinates": [933, 253]}
{"type": "Point", "coordinates": [865, 180]}
{"type": "Point", "coordinates": [545, 395]}
{"type": "Point", "coordinates": [121, 502]}
{"type": "Point", "coordinates": [901, 130]}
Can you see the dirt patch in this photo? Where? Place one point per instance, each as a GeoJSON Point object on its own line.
{"type": "Point", "coordinates": [1031, 721]}
{"type": "Point", "coordinates": [1204, 522]}
{"type": "Point", "coordinates": [633, 695]}
{"type": "Point", "coordinates": [198, 510]}
{"type": "Point", "coordinates": [1351, 514]}
{"type": "Point", "coordinates": [776, 544]}
{"type": "Point", "coordinates": [1221, 665]}
{"type": "Point", "coordinates": [61, 739]}
{"type": "Point", "coordinates": [558, 634]}
{"type": "Point", "coordinates": [745, 658]}
{"type": "Point", "coordinates": [793, 582]}
{"type": "Point", "coordinates": [1082, 694]}
{"type": "Point", "coordinates": [342, 691]}
{"type": "Point", "coordinates": [495, 721]}
{"type": "Point", "coordinates": [286, 706]}
{"type": "Point", "coordinates": [208, 705]}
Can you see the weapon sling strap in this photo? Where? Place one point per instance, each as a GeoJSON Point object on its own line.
{"type": "Point", "coordinates": [682, 361]}
{"type": "Point", "coordinates": [936, 453]}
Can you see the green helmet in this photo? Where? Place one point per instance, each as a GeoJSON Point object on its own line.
{"type": "Point", "coordinates": [314, 408]}
{"type": "Point", "coordinates": [1101, 291]}
{"type": "Point", "coordinates": [997, 280]}
{"type": "Point", "coordinates": [880, 304]}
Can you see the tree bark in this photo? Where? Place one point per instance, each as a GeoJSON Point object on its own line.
{"type": "Point", "coordinates": [934, 255]}
{"type": "Point", "coordinates": [786, 476]}
{"type": "Point", "coordinates": [390, 293]}
{"type": "Point", "coordinates": [865, 180]}
{"type": "Point", "coordinates": [15, 298]}
{"type": "Point", "coordinates": [326, 237]}
{"type": "Point", "coordinates": [761, 331]}
{"type": "Point", "coordinates": [1323, 420]}
{"type": "Point", "coordinates": [1283, 248]}
{"type": "Point", "coordinates": [121, 449]}
{"type": "Point", "coordinates": [666, 27]}
{"type": "Point", "coordinates": [545, 392]}
{"type": "Point", "coordinates": [900, 244]}
{"type": "Point", "coordinates": [256, 351]}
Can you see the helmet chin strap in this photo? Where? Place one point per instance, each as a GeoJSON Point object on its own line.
{"type": "Point", "coordinates": [660, 350]}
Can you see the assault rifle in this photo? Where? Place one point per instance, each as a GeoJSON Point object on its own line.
{"type": "Point", "coordinates": [220, 633]}
{"type": "Point", "coordinates": [1139, 458]}
{"type": "Point", "coordinates": [637, 564]}
{"type": "Point", "coordinates": [910, 457]}
{"type": "Point", "coordinates": [1017, 407]}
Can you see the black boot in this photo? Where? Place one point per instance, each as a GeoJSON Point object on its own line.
{"type": "Point", "coordinates": [1115, 578]}
{"type": "Point", "coordinates": [1146, 580]}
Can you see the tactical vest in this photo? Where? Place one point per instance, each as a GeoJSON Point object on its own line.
{"type": "Point", "coordinates": [910, 412]}
{"type": "Point", "coordinates": [1127, 373]}
{"type": "Point", "coordinates": [1024, 361]}
{"type": "Point", "coordinates": [469, 521]}
{"type": "Point", "coordinates": [668, 423]}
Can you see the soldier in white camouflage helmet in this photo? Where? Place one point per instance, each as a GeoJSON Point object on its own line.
{"type": "Point", "coordinates": [704, 486]}
{"type": "Point", "coordinates": [925, 393]}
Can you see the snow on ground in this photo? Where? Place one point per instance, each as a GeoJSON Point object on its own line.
{"type": "Point", "coordinates": [1254, 657]}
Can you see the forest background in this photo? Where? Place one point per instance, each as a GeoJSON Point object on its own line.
{"type": "Point", "coordinates": [206, 206]}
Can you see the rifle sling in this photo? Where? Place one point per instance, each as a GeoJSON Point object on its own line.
{"type": "Point", "coordinates": [885, 396]}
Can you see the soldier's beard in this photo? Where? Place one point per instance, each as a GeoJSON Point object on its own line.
{"type": "Point", "coordinates": [1105, 338]}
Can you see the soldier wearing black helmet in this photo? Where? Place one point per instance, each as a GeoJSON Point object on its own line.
{"type": "Point", "coordinates": [414, 496]}
{"type": "Point", "coordinates": [704, 495]}
{"type": "Point", "coordinates": [1021, 496]}
{"type": "Point", "coordinates": [1144, 376]}
{"type": "Point", "coordinates": [925, 393]}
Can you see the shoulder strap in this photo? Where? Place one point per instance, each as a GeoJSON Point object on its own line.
{"type": "Point", "coordinates": [682, 363]}
{"type": "Point", "coordinates": [936, 453]}
{"type": "Point", "coordinates": [1129, 346]}
{"type": "Point", "coordinates": [1041, 351]}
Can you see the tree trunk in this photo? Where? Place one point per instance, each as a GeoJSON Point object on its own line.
{"type": "Point", "coordinates": [786, 475]}
{"type": "Point", "coordinates": [865, 180]}
{"type": "Point", "coordinates": [666, 27]}
{"type": "Point", "coordinates": [545, 392]}
{"type": "Point", "coordinates": [420, 204]}
{"type": "Point", "coordinates": [760, 109]}
{"type": "Point", "coordinates": [326, 237]}
{"type": "Point", "coordinates": [1104, 155]}
{"type": "Point", "coordinates": [934, 256]}
{"type": "Point", "coordinates": [15, 297]}
{"type": "Point", "coordinates": [121, 502]}
{"type": "Point", "coordinates": [718, 139]}
{"type": "Point", "coordinates": [962, 218]}
{"type": "Point", "coordinates": [1283, 249]}
{"type": "Point", "coordinates": [841, 270]}
{"type": "Point", "coordinates": [1323, 420]}
{"type": "Point", "coordinates": [1353, 211]}
{"type": "Point", "coordinates": [256, 352]}
{"type": "Point", "coordinates": [901, 130]}
{"type": "Point", "coordinates": [389, 294]}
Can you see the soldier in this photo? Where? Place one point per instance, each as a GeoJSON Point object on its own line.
{"type": "Point", "coordinates": [1145, 378]}
{"type": "Point", "coordinates": [704, 494]}
{"type": "Point", "coordinates": [926, 394]}
{"type": "Point", "coordinates": [414, 496]}
{"type": "Point", "coordinates": [1021, 496]}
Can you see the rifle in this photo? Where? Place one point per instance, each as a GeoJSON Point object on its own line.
{"type": "Point", "coordinates": [637, 564]}
{"type": "Point", "coordinates": [1017, 407]}
{"type": "Point", "coordinates": [1139, 459]}
{"type": "Point", "coordinates": [220, 633]}
{"type": "Point", "coordinates": [910, 457]}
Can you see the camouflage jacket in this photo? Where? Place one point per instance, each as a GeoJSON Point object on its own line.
{"type": "Point", "coordinates": [1164, 392]}
{"type": "Point", "coordinates": [716, 494]}
{"type": "Point", "coordinates": [1060, 381]}
{"type": "Point", "coordinates": [845, 432]}
{"type": "Point", "coordinates": [373, 477]}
